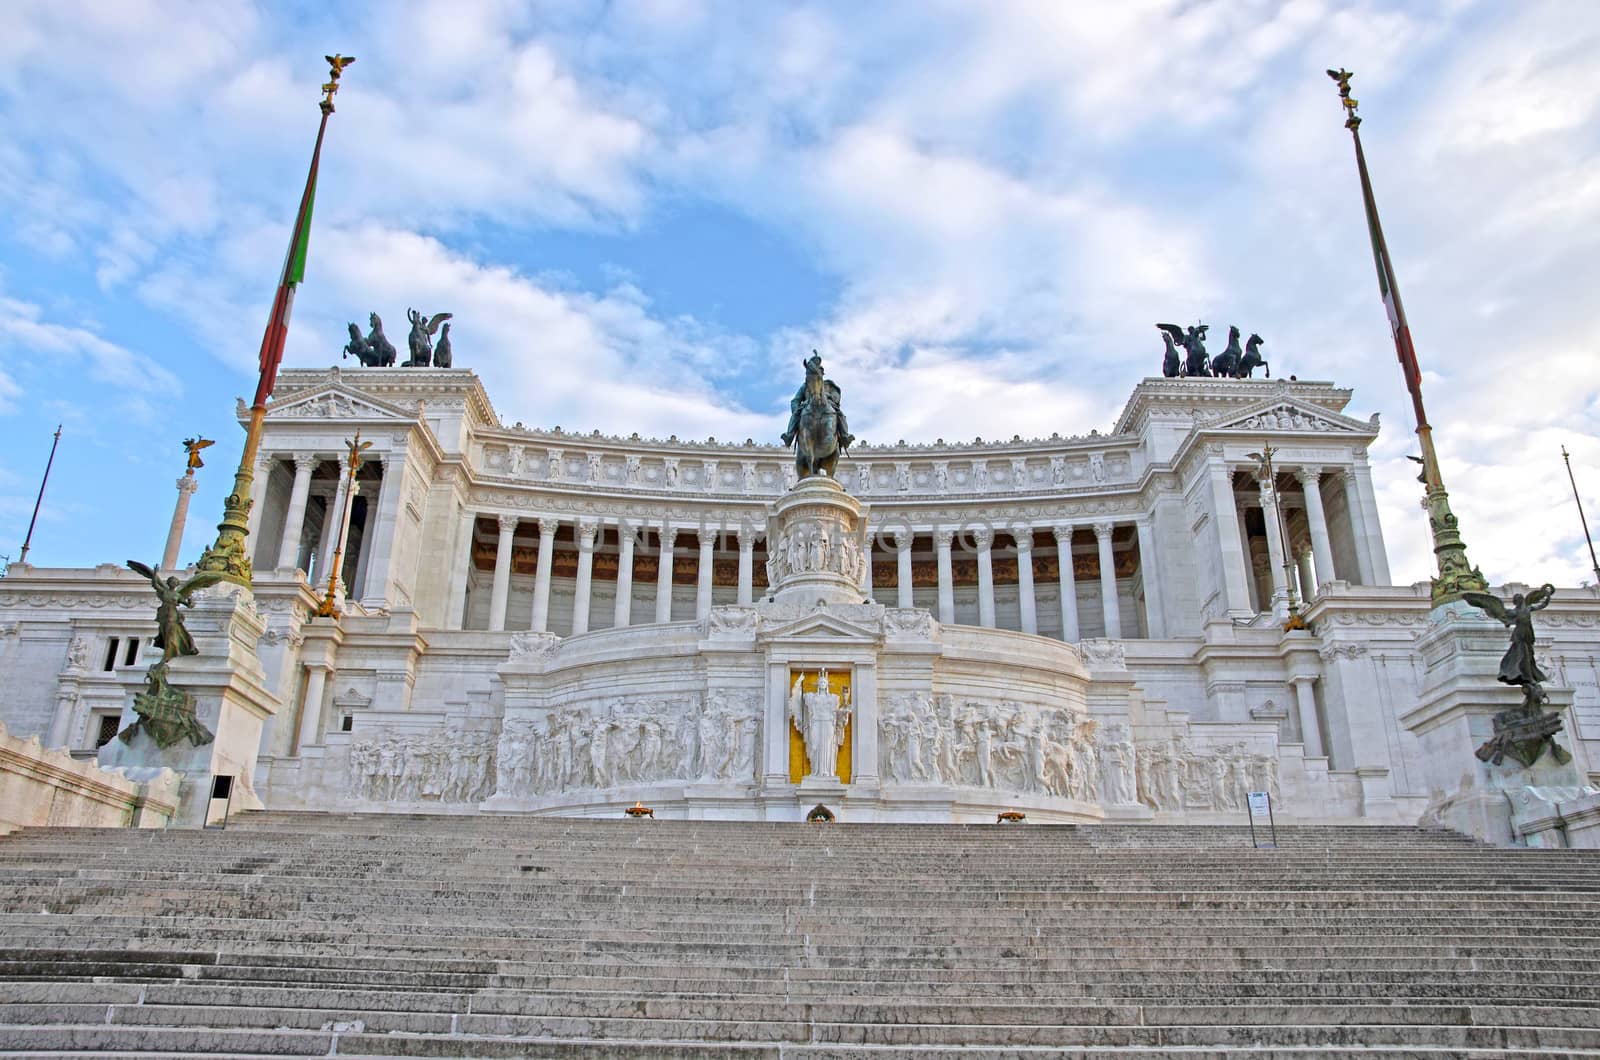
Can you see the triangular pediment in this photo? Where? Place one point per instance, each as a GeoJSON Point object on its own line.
{"type": "Point", "coordinates": [335, 402]}
{"type": "Point", "coordinates": [821, 624]}
{"type": "Point", "coordinates": [1283, 415]}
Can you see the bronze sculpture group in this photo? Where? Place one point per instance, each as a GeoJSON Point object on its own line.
{"type": "Point", "coordinates": [1231, 363]}
{"type": "Point", "coordinates": [817, 426]}
{"type": "Point", "coordinates": [166, 713]}
{"type": "Point", "coordinates": [1524, 731]}
{"type": "Point", "coordinates": [374, 350]}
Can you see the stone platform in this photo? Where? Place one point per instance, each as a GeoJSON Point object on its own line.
{"type": "Point", "coordinates": [340, 935]}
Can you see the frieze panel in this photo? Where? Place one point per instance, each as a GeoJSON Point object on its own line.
{"type": "Point", "coordinates": [629, 740]}
{"type": "Point", "coordinates": [1175, 776]}
{"type": "Point", "coordinates": [439, 766]}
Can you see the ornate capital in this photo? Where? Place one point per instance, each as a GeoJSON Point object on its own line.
{"type": "Point", "coordinates": [586, 535]}
{"type": "Point", "coordinates": [548, 528]}
{"type": "Point", "coordinates": [983, 537]}
{"type": "Point", "coordinates": [903, 540]}
{"type": "Point", "coordinates": [305, 463]}
{"type": "Point", "coordinates": [508, 524]}
{"type": "Point", "coordinates": [1022, 538]}
{"type": "Point", "coordinates": [1063, 534]}
{"type": "Point", "coordinates": [669, 535]}
{"type": "Point", "coordinates": [943, 538]}
{"type": "Point", "coordinates": [1103, 531]}
{"type": "Point", "coordinates": [187, 484]}
{"type": "Point", "coordinates": [1308, 476]}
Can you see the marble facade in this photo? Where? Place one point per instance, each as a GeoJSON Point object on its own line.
{"type": "Point", "coordinates": [540, 621]}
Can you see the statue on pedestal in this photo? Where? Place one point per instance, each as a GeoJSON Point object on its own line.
{"type": "Point", "coordinates": [821, 717]}
{"type": "Point", "coordinates": [817, 427]}
{"type": "Point", "coordinates": [165, 712]}
{"type": "Point", "coordinates": [1523, 731]}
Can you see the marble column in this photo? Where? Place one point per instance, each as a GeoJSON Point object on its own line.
{"type": "Point", "coordinates": [1303, 569]}
{"type": "Point", "coordinates": [1370, 523]}
{"type": "Point", "coordinates": [363, 560]}
{"type": "Point", "coordinates": [622, 610]}
{"type": "Point", "coordinates": [1155, 617]}
{"type": "Point", "coordinates": [947, 581]}
{"type": "Point", "coordinates": [294, 520]}
{"type": "Point", "coordinates": [1275, 557]}
{"type": "Point", "coordinates": [703, 574]}
{"type": "Point", "coordinates": [580, 595]}
{"type": "Point", "coordinates": [669, 536]}
{"type": "Point", "coordinates": [1310, 730]}
{"type": "Point", "coordinates": [258, 498]}
{"type": "Point", "coordinates": [1069, 585]}
{"type": "Point", "coordinates": [1231, 558]}
{"type": "Point", "coordinates": [1110, 607]}
{"type": "Point", "coordinates": [1317, 523]}
{"type": "Point", "coordinates": [747, 565]}
{"type": "Point", "coordinates": [775, 730]}
{"type": "Point", "coordinates": [377, 548]}
{"type": "Point", "coordinates": [330, 528]}
{"type": "Point", "coordinates": [541, 575]}
{"type": "Point", "coordinates": [903, 596]}
{"type": "Point", "coordinates": [984, 539]}
{"type": "Point", "coordinates": [180, 515]}
{"type": "Point", "coordinates": [1025, 596]}
{"type": "Point", "coordinates": [502, 573]}
{"type": "Point", "coordinates": [1358, 530]}
{"type": "Point", "coordinates": [311, 709]}
{"type": "Point", "coordinates": [866, 567]}
{"type": "Point", "coordinates": [460, 569]}
{"type": "Point", "coordinates": [1253, 571]}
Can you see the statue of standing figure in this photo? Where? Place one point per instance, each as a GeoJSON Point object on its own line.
{"type": "Point", "coordinates": [168, 713]}
{"type": "Point", "coordinates": [821, 717]}
{"type": "Point", "coordinates": [1524, 731]}
{"type": "Point", "coordinates": [817, 427]}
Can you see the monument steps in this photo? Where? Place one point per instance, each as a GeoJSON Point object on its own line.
{"type": "Point", "coordinates": [321, 934]}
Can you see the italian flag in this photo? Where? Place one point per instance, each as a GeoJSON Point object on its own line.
{"type": "Point", "coordinates": [1391, 295]}
{"type": "Point", "coordinates": [294, 271]}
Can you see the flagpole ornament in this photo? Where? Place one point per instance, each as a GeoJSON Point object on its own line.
{"type": "Point", "coordinates": [1457, 576]}
{"type": "Point", "coordinates": [229, 556]}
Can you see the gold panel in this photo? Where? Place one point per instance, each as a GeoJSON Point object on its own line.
{"type": "Point", "coordinates": [799, 761]}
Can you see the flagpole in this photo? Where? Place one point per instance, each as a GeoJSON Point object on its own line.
{"type": "Point", "coordinates": [228, 555]}
{"type": "Point", "coordinates": [1581, 518]}
{"type": "Point", "coordinates": [1456, 575]}
{"type": "Point", "coordinates": [27, 542]}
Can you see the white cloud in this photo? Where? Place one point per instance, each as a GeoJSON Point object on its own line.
{"type": "Point", "coordinates": [28, 336]}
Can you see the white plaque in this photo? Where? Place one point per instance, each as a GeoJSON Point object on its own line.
{"type": "Point", "coordinates": [1260, 804]}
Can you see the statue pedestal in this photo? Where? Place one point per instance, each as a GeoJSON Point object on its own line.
{"type": "Point", "coordinates": [816, 539]}
{"type": "Point", "coordinates": [1454, 716]}
{"type": "Point", "coordinates": [231, 700]}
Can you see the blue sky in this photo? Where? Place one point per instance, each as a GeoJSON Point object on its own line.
{"type": "Point", "coordinates": [642, 213]}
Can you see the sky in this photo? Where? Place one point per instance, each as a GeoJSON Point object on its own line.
{"type": "Point", "coordinates": [643, 213]}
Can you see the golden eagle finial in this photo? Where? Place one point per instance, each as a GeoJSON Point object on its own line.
{"type": "Point", "coordinates": [1343, 76]}
{"type": "Point", "coordinates": [336, 65]}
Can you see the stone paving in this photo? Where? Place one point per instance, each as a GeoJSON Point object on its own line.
{"type": "Point", "coordinates": [347, 935]}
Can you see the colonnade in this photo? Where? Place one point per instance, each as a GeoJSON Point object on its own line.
{"type": "Point", "coordinates": [667, 541]}
{"type": "Point", "coordinates": [1309, 559]}
{"type": "Point", "coordinates": [366, 565]}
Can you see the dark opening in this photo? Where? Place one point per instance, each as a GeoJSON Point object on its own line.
{"type": "Point", "coordinates": [820, 814]}
{"type": "Point", "coordinates": [347, 723]}
{"type": "Point", "coordinates": [221, 787]}
{"type": "Point", "coordinates": [111, 654]}
{"type": "Point", "coordinates": [107, 731]}
{"type": "Point", "coordinates": [132, 653]}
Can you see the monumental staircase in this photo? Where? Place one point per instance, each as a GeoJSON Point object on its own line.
{"type": "Point", "coordinates": [343, 935]}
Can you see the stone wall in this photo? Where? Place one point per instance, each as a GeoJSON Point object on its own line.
{"type": "Point", "coordinates": [39, 787]}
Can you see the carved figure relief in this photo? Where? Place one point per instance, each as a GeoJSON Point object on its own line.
{"type": "Point", "coordinates": [1005, 745]}
{"type": "Point", "coordinates": [630, 740]}
{"type": "Point", "coordinates": [1175, 776]}
{"type": "Point", "coordinates": [555, 468]}
{"type": "Point", "coordinates": [438, 766]}
{"type": "Point", "coordinates": [1019, 473]}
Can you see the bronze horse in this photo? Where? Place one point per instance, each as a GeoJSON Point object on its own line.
{"type": "Point", "coordinates": [816, 432]}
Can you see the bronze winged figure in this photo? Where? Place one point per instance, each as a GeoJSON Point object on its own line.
{"type": "Point", "coordinates": [172, 637]}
